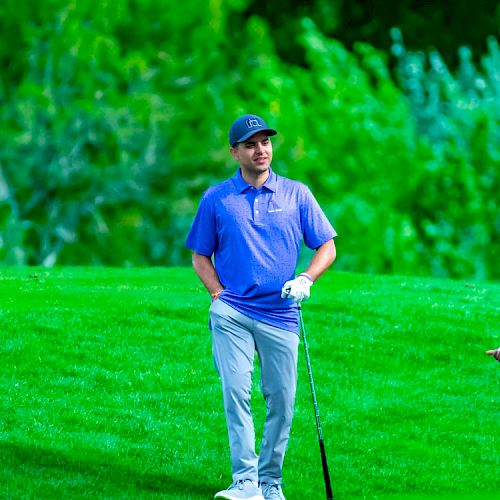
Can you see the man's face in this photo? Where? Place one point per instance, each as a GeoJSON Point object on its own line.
{"type": "Point", "coordinates": [255, 154]}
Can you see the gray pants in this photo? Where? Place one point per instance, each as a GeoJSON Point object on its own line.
{"type": "Point", "coordinates": [235, 338]}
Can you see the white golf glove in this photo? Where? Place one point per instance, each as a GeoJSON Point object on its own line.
{"type": "Point", "coordinates": [297, 289]}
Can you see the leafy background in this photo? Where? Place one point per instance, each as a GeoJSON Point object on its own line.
{"type": "Point", "coordinates": [114, 119]}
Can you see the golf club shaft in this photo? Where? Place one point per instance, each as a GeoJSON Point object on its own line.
{"type": "Point", "coordinates": [324, 463]}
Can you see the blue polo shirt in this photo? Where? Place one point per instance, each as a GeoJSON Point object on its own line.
{"type": "Point", "coordinates": [255, 237]}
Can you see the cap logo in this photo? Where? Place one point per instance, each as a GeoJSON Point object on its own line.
{"type": "Point", "coordinates": [252, 122]}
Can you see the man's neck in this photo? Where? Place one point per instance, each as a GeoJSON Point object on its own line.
{"type": "Point", "coordinates": [257, 180]}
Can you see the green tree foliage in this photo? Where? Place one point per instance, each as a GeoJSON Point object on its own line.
{"type": "Point", "coordinates": [442, 26]}
{"type": "Point", "coordinates": [457, 201]}
{"type": "Point", "coordinates": [114, 120]}
{"type": "Point", "coordinates": [94, 93]}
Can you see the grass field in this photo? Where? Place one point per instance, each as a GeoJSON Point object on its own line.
{"type": "Point", "coordinates": [108, 388]}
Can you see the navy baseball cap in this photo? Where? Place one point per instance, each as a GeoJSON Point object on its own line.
{"type": "Point", "coordinates": [246, 126]}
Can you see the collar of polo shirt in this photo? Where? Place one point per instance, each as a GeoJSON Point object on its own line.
{"type": "Point", "coordinates": [242, 184]}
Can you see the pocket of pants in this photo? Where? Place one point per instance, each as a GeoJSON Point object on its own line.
{"type": "Point", "coordinates": [213, 313]}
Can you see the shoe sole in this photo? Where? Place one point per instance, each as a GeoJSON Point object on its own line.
{"type": "Point", "coordinates": [224, 497]}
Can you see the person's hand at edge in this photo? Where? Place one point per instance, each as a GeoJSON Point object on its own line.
{"type": "Point", "coordinates": [495, 353]}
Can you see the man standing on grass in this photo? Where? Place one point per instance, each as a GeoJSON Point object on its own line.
{"type": "Point", "coordinates": [253, 225]}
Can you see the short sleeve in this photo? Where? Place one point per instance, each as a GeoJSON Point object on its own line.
{"type": "Point", "coordinates": [202, 237]}
{"type": "Point", "coordinates": [316, 227]}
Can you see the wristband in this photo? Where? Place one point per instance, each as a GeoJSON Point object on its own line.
{"type": "Point", "coordinates": [216, 295]}
{"type": "Point", "coordinates": [307, 276]}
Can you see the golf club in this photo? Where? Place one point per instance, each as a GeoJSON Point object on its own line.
{"type": "Point", "coordinates": [326, 474]}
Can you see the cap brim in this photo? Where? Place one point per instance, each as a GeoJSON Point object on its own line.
{"type": "Point", "coordinates": [268, 131]}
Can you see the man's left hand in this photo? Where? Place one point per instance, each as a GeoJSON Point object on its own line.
{"type": "Point", "coordinates": [297, 289]}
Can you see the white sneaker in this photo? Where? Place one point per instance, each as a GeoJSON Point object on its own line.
{"type": "Point", "coordinates": [241, 489]}
{"type": "Point", "coordinates": [272, 492]}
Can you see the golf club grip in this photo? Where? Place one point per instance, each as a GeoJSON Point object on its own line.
{"type": "Point", "coordinates": [326, 473]}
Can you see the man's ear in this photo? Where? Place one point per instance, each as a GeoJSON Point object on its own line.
{"type": "Point", "coordinates": [234, 153]}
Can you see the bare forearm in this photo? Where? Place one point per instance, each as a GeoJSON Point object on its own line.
{"type": "Point", "coordinates": [322, 260]}
{"type": "Point", "coordinates": [205, 270]}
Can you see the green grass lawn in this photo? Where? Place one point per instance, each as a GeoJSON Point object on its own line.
{"type": "Point", "coordinates": [108, 388]}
